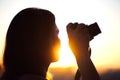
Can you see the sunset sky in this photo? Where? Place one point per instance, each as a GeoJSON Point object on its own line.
{"type": "Point", "coordinates": [105, 46]}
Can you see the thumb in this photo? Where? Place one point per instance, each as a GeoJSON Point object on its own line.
{"type": "Point", "coordinates": [69, 27]}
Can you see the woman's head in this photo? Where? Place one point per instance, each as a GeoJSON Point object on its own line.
{"type": "Point", "coordinates": [30, 39]}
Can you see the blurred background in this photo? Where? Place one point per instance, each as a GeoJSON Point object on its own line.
{"type": "Point", "coordinates": [105, 46]}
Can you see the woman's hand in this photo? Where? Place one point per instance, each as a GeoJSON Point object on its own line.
{"type": "Point", "coordinates": [78, 40]}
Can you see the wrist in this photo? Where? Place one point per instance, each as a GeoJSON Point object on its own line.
{"type": "Point", "coordinates": [83, 58]}
{"type": "Point", "coordinates": [88, 70]}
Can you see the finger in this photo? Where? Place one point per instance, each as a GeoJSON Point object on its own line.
{"type": "Point", "coordinates": [69, 27]}
{"type": "Point", "coordinates": [80, 27]}
{"type": "Point", "coordinates": [69, 30]}
{"type": "Point", "coordinates": [72, 26]}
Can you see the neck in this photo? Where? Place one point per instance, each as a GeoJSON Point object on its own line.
{"type": "Point", "coordinates": [43, 72]}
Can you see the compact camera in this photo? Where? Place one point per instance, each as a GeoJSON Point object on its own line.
{"type": "Point", "coordinates": [93, 30]}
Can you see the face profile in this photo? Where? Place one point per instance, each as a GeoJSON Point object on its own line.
{"type": "Point", "coordinates": [56, 42]}
{"type": "Point", "coordinates": [31, 40]}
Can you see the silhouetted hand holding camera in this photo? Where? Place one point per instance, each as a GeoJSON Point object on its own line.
{"type": "Point", "coordinates": [79, 37]}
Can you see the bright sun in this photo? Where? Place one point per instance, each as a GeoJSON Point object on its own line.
{"type": "Point", "coordinates": [66, 57]}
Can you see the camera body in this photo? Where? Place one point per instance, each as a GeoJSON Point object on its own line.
{"type": "Point", "coordinates": [93, 30]}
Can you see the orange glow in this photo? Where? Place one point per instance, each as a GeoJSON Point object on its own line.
{"type": "Point", "coordinates": [105, 47]}
{"type": "Point", "coordinates": [66, 57]}
{"type": "Point", "coordinates": [49, 76]}
{"type": "Point", "coordinates": [56, 53]}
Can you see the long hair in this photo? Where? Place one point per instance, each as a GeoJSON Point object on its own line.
{"type": "Point", "coordinates": [27, 41]}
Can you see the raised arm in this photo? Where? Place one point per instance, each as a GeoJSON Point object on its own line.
{"type": "Point", "coordinates": [79, 43]}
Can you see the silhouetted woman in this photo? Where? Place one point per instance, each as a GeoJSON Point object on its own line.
{"type": "Point", "coordinates": [31, 45]}
{"type": "Point", "coordinates": [30, 41]}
